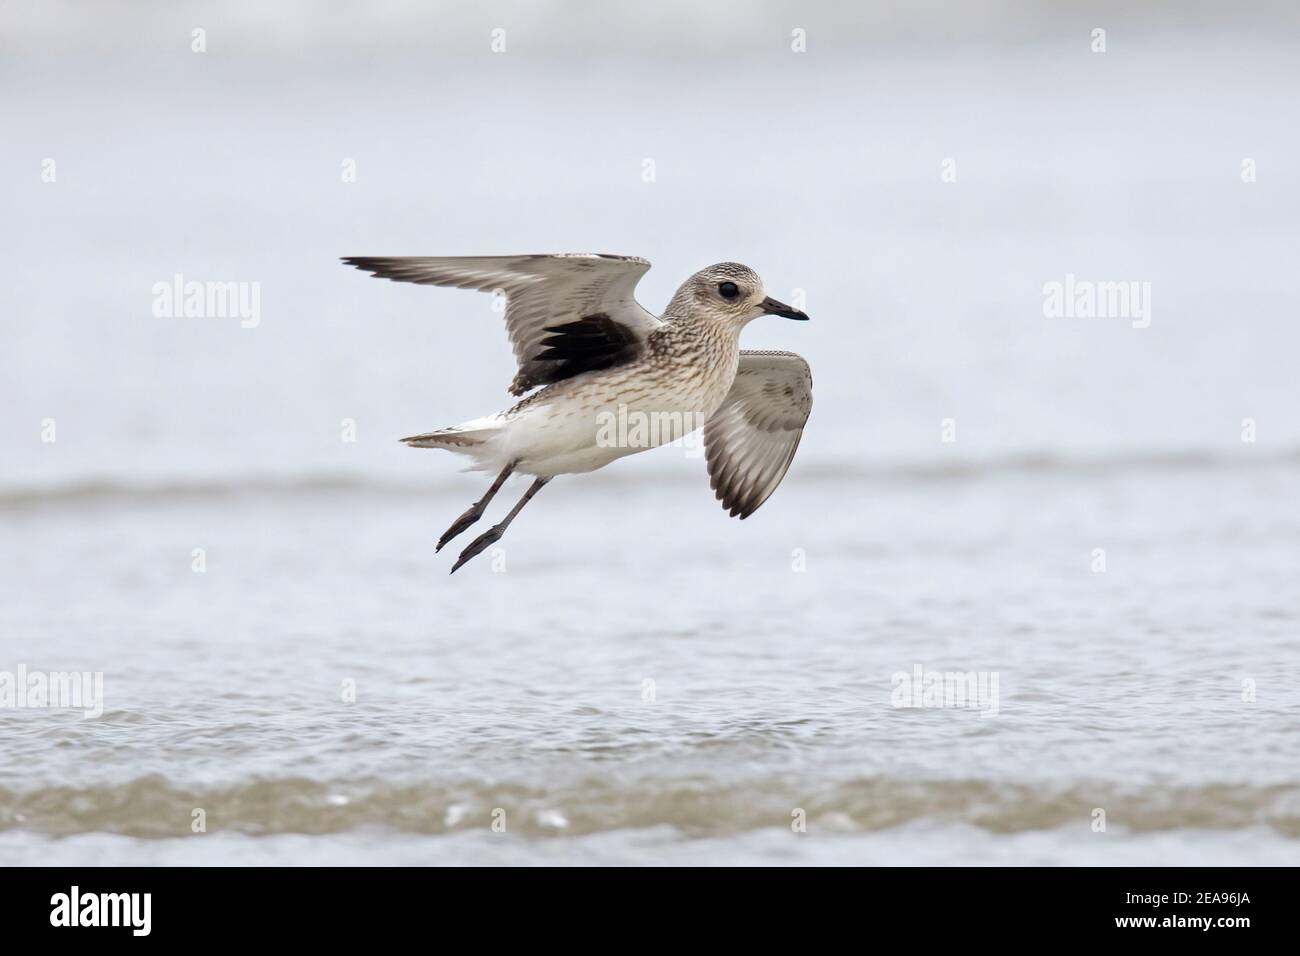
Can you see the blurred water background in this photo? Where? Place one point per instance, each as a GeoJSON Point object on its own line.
{"type": "Point", "coordinates": [639, 678]}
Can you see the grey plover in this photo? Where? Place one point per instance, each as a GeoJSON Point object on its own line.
{"type": "Point", "coordinates": [611, 379]}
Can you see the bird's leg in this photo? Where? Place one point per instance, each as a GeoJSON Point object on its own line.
{"type": "Point", "coordinates": [494, 533]}
{"type": "Point", "coordinates": [476, 509]}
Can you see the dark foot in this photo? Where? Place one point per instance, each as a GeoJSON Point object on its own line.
{"type": "Point", "coordinates": [479, 545]}
{"type": "Point", "coordinates": [460, 524]}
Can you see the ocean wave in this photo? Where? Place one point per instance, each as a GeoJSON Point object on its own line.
{"type": "Point", "coordinates": [153, 807]}
{"type": "Point", "coordinates": [110, 491]}
{"type": "Point", "coordinates": [118, 491]}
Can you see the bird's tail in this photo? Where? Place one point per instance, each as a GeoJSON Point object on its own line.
{"type": "Point", "coordinates": [472, 438]}
{"type": "Point", "coordinates": [455, 439]}
{"type": "Point", "coordinates": [480, 440]}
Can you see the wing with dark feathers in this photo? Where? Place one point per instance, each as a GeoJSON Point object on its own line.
{"type": "Point", "coordinates": [565, 314]}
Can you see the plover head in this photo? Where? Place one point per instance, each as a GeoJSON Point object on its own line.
{"type": "Point", "coordinates": [729, 292]}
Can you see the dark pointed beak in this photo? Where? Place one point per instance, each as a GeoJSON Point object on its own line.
{"type": "Point", "coordinates": [771, 307]}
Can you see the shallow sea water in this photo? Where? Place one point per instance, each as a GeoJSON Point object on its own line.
{"type": "Point", "coordinates": [648, 695]}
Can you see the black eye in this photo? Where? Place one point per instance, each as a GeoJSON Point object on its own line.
{"type": "Point", "coordinates": [728, 290]}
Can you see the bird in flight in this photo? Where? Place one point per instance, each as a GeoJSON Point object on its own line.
{"type": "Point", "coordinates": [602, 378]}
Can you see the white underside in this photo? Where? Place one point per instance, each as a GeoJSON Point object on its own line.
{"type": "Point", "coordinates": [570, 432]}
{"type": "Point", "coordinates": [561, 438]}
{"type": "Point", "coordinates": [583, 423]}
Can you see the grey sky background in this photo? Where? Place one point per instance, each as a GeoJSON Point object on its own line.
{"type": "Point", "coordinates": [821, 169]}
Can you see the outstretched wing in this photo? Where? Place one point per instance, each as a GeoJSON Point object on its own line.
{"type": "Point", "coordinates": [565, 313]}
{"type": "Point", "coordinates": [751, 439]}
